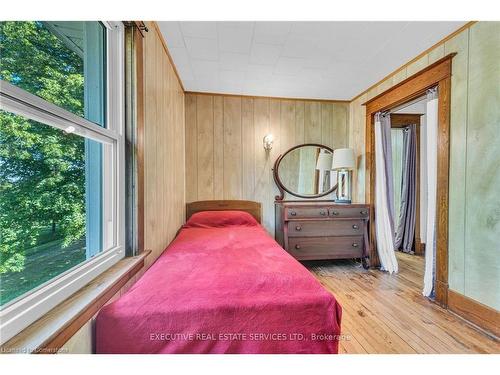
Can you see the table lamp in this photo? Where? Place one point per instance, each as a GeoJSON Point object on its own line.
{"type": "Point", "coordinates": [343, 162]}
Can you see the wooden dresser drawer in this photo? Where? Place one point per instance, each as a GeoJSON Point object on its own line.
{"type": "Point", "coordinates": [304, 248]}
{"type": "Point", "coordinates": [306, 212]}
{"type": "Point", "coordinates": [319, 228]}
{"type": "Point", "coordinates": [353, 212]}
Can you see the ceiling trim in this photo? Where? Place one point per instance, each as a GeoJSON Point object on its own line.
{"type": "Point", "coordinates": [442, 41]}
{"type": "Point", "coordinates": [268, 97]}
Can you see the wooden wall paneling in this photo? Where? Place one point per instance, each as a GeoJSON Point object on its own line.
{"type": "Point", "coordinates": [327, 132]}
{"type": "Point", "coordinates": [262, 159]}
{"type": "Point", "coordinates": [274, 128]}
{"type": "Point", "coordinates": [340, 125]}
{"type": "Point", "coordinates": [205, 142]}
{"type": "Point", "coordinates": [232, 148]}
{"type": "Point", "coordinates": [299, 122]}
{"type": "Point", "coordinates": [167, 153]}
{"type": "Point", "coordinates": [218, 147]}
{"type": "Point", "coordinates": [312, 122]}
{"type": "Point", "coordinates": [239, 125]}
{"type": "Point", "coordinates": [161, 181]}
{"type": "Point", "coordinates": [417, 65]}
{"type": "Point", "coordinates": [287, 134]}
{"type": "Point", "coordinates": [458, 158]}
{"type": "Point", "coordinates": [399, 76]}
{"type": "Point", "coordinates": [180, 154]}
{"type": "Point", "coordinates": [165, 125]}
{"type": "Point", "coordinates": [248, 148]}
{"type": "Point", "coordinates": [164, 154]}
{"type": "Point", "coordinates": [436, 54]}
{"type": "Point", "coordinates": [482, 201]}
{"type": "Point", "coordinates": [287, 125]}
{"type": "Point", "coordinates": [356, 137]}
{"type": "Point", "coordinates": [187, 92]}
{"type": "Point", "coordinates": [150, 160]}
{"type": "Point", "coordinates": [191, 149]}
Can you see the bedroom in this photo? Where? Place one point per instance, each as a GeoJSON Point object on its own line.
{"type": "Point", "coordinates": [211, 186]}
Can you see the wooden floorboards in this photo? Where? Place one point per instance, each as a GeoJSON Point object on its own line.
{"type": "Point", "coordinates": [385, 313]}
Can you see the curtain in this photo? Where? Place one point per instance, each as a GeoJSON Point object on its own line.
{"type": "Point", "coordinates": [397, 169]}
{"type": "Point", "coordinates": [430, 242]}
{"type": "Point", "coordinates": [405, 232]}
{"type": "Point", "coordinates": [384, 194]}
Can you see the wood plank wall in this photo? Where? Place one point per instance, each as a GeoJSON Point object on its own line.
{"type": "Point", "coordinates": [164, 202]}
{"type": "Point", "coordinates": [225, 158]}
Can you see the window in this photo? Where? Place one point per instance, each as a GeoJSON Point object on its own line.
{"type": "Point", "coordinates": [61, 62]}
{"type": "Point", "coordinates": [61, 162]}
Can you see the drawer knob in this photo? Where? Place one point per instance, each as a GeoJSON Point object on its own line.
{"type": "Point", "coordinates": [322, 213]}
{"type": "Point", "coordinates": [298, 227]}
{"type": "Point", "coordinates": [363, 212]}
{"type": "Point", "coordinates": [355, 226]}
{"type": "Point", "coordinates": [293, 213]}
{"type": "Point", "coordinates": [335, 213]}
{"type": "Point", "coordinates": [297, 246]}
{"type": "Point", "coordinates": [354, 244]}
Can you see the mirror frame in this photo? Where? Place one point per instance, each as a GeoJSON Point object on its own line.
{"type": "Point", "coordinates": [282, 188]}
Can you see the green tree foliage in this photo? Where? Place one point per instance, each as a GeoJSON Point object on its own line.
{"type": "Point", "coordinates": [42, 169]}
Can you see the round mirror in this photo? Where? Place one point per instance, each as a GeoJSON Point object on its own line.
{"type": "Point", "coordinates": [305, 171]}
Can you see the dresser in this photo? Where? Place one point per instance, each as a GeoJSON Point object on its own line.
{"type": "Point", "coordinates": [314, 230]}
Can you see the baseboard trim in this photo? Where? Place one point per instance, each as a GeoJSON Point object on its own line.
{"type": "Point", "coordinates": [481, 315]}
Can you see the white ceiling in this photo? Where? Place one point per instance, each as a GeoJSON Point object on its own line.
{"type": "Point", "coordinates": [323, 60]}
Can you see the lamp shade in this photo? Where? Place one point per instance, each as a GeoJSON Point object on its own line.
{"type": "Point", "coordinates": [343, 158]}
{"type": "Point", "coordinates": [324, 162]}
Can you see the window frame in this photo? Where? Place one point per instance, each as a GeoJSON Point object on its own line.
{"type": "Point", "coordinates": [29, 307]}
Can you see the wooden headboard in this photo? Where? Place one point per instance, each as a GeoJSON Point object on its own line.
{"type": "Point", "coordinates": [253, 208]}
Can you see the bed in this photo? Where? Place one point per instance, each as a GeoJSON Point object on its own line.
{"type": "Point", "coordinates": [222, 286]}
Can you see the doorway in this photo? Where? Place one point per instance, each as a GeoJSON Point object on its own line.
{"type": "Point", "coordinates": [437, 75]}
{"type": "Point", "coordinates": [409, 175]}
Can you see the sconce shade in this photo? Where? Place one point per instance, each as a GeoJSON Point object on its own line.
{"type": "Point", "coordinates": [268, 142]}
{"type": "Point", "coordinates": [324, 162]}
{"type": "Point", "coordinates": [343, 158]}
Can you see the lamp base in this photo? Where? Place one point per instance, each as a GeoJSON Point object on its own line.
{"type": "Point", "coordinates": [343, 201]}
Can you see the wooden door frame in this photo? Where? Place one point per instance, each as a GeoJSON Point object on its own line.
{"type": "Point", "coordinates": [402, 120]}
{"type": "Point", "coordinates": [437, 74]}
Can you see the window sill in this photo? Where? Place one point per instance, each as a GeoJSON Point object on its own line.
{"type": "Point", "coordinates": [49, 333]}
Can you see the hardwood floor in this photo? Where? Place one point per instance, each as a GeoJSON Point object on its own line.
{"type": "Point", "coordinates": [385, 313]}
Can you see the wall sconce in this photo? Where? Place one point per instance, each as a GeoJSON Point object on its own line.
{"type": "Point", "coordinates": [268, 142]}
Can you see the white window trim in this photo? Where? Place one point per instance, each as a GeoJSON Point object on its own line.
{"type": "Point", "coordinates": [33, 305]}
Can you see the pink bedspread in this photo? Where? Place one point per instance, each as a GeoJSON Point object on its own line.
{"type": "Point", "coordinates": [222, 287]}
